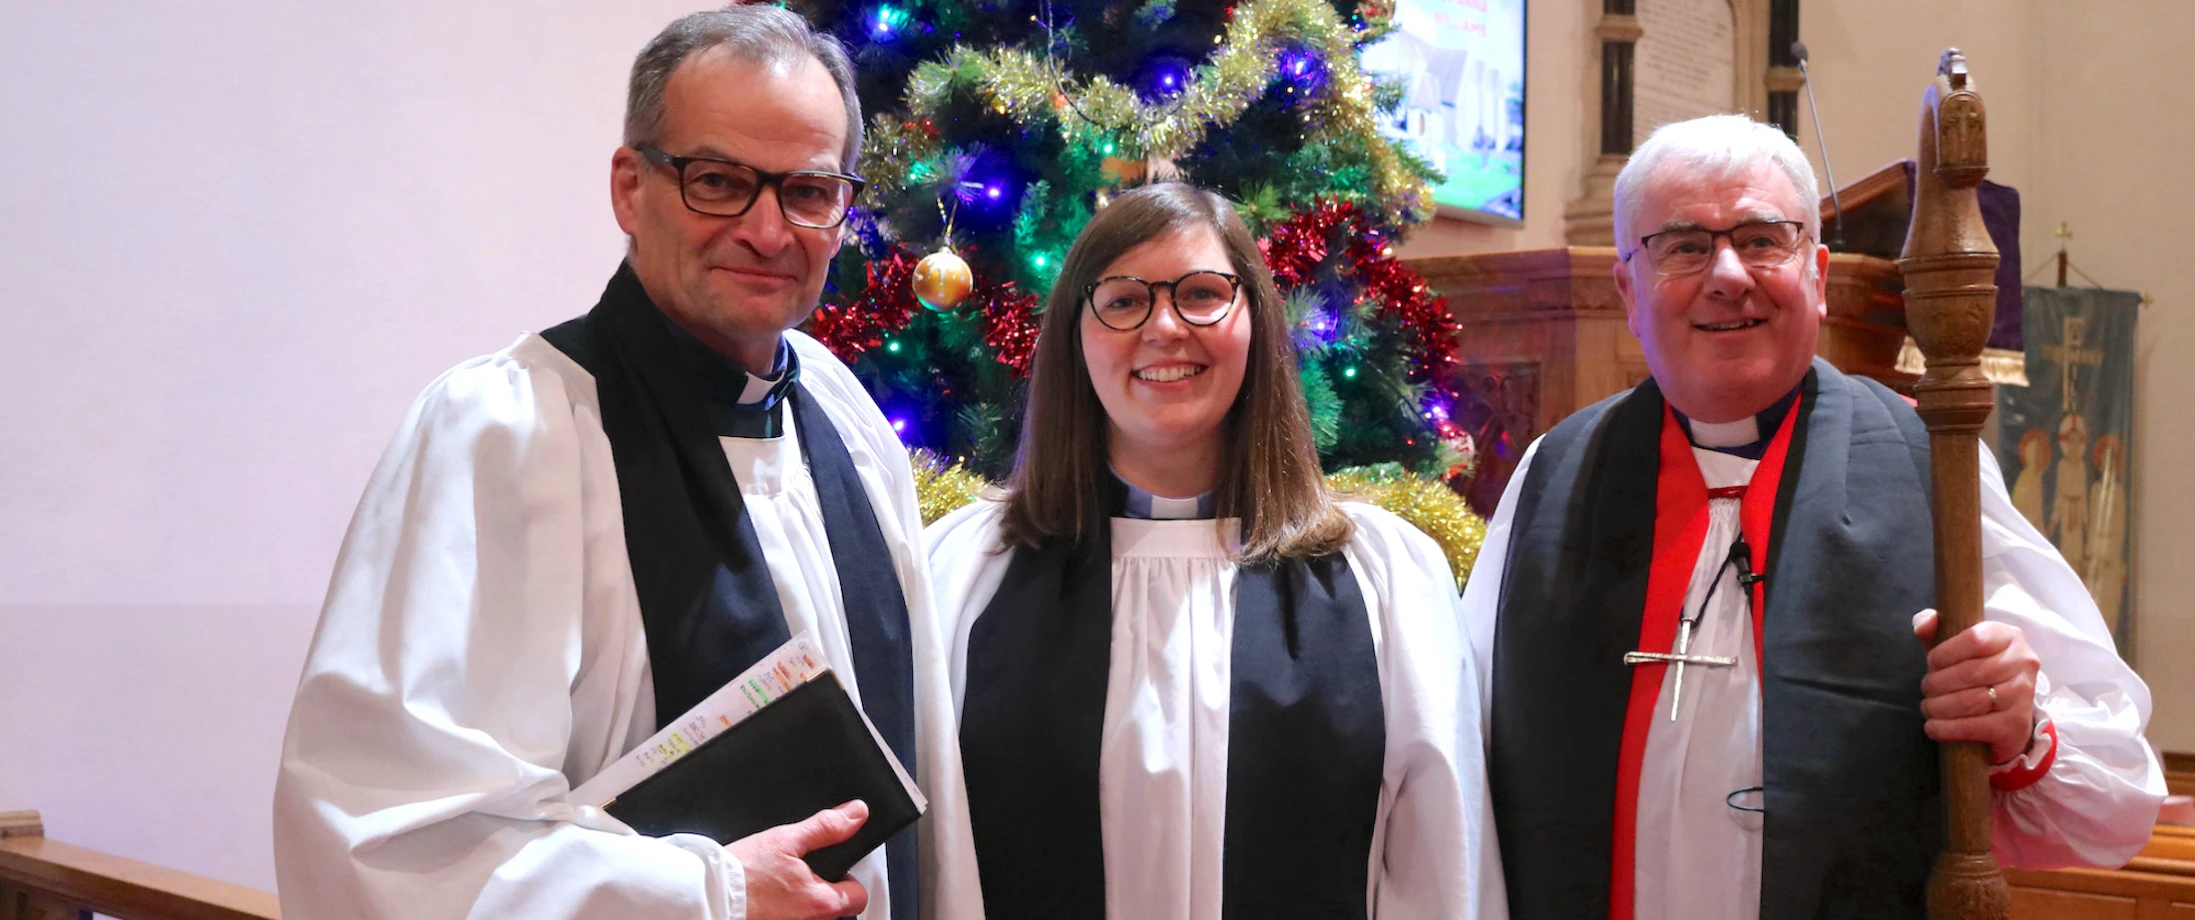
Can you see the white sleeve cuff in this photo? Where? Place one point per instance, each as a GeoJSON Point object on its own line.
{"type": "Point", "coordinates": [2032, 764]}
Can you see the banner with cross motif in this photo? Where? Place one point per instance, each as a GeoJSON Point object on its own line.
{"type": "Point", "coordinates": [2066, 440]}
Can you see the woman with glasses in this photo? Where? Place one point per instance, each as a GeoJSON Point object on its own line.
{"type": "Point", "coordinates": [1192, 684]}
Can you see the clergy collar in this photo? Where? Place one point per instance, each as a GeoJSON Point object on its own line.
{"type": "Point", "coordinates": [741, 404]}
{"type": "Point", "coordinates": [1144, 505]}
{"type": "Point", "coordinates": [1746, 437]}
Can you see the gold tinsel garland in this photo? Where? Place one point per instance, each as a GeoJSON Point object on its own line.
{"type": "Point", "coordinates": [1427, 504]}
{"type": "Point", "coordinates": [941, 488]}
{"type": "Point", "coordinates": [1024, 87]}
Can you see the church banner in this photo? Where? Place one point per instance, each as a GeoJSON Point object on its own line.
{"type": "Point", "coordinates": [2067, 438]}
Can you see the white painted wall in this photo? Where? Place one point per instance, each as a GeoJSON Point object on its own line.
{"type": "Point", "coordinates": [236, 239]}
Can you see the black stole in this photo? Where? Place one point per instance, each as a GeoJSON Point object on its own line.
{"type": "Point", "coordinates": [1852, 820]}
{"type": "Point", "coordinates": [1306, 738]}
{"type": "Point", "coordinates": [708, 603]}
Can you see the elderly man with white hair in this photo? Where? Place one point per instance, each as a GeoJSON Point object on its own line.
{"type": "Point", "coordinates": [1703, 605]}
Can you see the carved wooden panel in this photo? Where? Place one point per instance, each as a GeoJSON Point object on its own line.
{"type": "Point", "coordinates": [1499, 406]}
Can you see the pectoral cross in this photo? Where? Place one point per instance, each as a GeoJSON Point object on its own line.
{"type": "Point", "coordinates": [1680, 658]}
{"type": "Point", "coordinates": [1681, 653]}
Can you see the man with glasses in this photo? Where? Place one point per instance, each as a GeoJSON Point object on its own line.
{"type": "Point", "coordinates": [575, 540]}
{"type": "Point", "coordinates": [1702, 604]}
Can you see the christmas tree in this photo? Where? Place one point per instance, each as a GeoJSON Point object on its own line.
{"type": "Point", "coordinates": [996, 128]}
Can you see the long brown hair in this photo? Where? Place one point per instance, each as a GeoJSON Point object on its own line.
{"type": "Point", "coordinates": [1269, 469]}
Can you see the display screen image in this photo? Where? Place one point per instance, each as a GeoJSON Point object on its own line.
{"type": "Point", "coordinates": [1461, 67]}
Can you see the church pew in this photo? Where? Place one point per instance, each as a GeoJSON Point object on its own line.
{"type": "Point", "coordinates": [43, 879]}
{"type": "Point", "coordinates": [2158, 884]}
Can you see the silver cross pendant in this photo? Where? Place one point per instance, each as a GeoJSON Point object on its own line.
{"type": "Point", "coordinates": [1680, 658]}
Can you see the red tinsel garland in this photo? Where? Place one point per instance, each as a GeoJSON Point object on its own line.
{"type": "Point", "coordinates": [886, 305]}
{"type": "Point", "coordinates": [1295, 249]}
{"type": "Point", "coordinates": [1009, 325]}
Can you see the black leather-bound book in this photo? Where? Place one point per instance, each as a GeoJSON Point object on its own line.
{"type": "Point", "coordinates": [806, 751]}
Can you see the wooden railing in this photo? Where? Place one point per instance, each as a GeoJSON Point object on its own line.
{"type": "Point", "coordinates": [43, 879]}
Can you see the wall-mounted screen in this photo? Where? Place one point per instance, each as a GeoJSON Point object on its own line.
{"type": "Point", "coordinates": [1461, 65]}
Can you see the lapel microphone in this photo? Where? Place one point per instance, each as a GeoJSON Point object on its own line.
{"type": "Point", "coordinates": [1741, 556]}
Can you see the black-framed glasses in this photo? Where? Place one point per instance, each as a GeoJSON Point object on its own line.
{"type": "Point", "coordinates": [1759, 244]}
{"type": "Point", "coordinates": [1124, 302]}
{"type": "Point", "coordinates": [721, 188]}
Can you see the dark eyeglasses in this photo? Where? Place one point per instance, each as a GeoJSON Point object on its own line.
{"type": "Point", "coordinates": [1759, 244]}
{"type": "Point", "coordinates": [722, 188]}
{"type": "Point", "coordinates": [1200, 298]}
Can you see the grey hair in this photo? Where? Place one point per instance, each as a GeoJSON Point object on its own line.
{"type": "Point", "coordinates": [759, 33]}
{"type": "Point", "coordinates": [1718, 146]}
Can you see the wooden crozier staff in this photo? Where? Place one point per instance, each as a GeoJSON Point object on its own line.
{"type": "Point", "coordinates": [1950, 299]}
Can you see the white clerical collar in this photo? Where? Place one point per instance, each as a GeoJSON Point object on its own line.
{"type": "Point", "coordinates": [1726, 434]}
{"type": "Point", "coordinates": [1144, 504]}
{"type": "Point", "coordinates": [758, 389]}
{"type": "Point", "coordinates": [1177, 509]}
{"type": "Point", "coordinates": [1746, 437]}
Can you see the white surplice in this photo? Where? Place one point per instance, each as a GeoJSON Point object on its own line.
{"type": "Point", "coordinates": [1162, 772]}
{"type": "Point", "coordinates": [481, 653]}
{"type": "Point", "coordinates": [1697, 856]}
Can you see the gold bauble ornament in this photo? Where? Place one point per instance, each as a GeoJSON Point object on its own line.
{"type": "Point", "coordinates": [943, 279]}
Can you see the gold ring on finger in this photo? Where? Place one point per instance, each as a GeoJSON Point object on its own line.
{"type": "Point", "coordinates": [1992, 699]}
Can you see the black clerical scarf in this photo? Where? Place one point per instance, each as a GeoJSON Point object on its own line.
{"type": "Point", "coordinates": [1852, 820]}
{"type": "Point", "coordinates": [1305, 747]}
{"type": "Point", "coordinates": [707, 600]}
